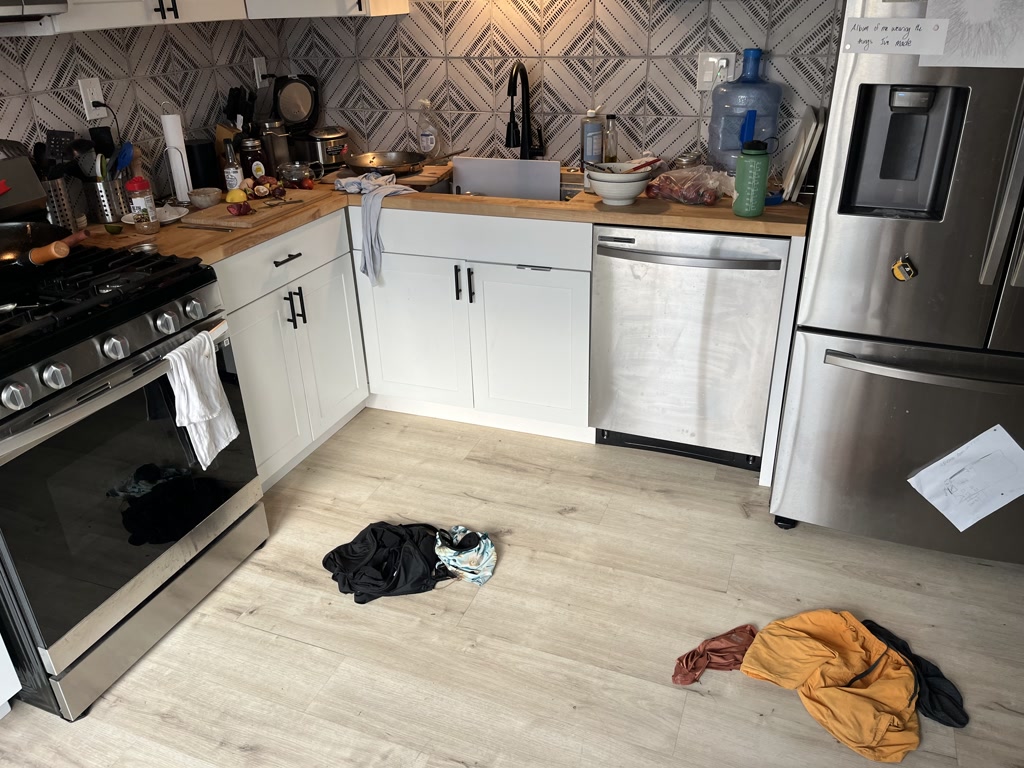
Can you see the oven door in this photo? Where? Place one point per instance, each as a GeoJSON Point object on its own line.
{"type": "Point", "coordinates": [104, 500]}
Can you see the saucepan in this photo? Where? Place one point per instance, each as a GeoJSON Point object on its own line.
{"type": "Point", "coordinates": [393, 162]}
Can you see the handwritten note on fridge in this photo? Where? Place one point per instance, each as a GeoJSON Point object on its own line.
{"type": "Point", "coordinates": [975, 480]}
{"type": "Point", "coordinates": [895, 36]}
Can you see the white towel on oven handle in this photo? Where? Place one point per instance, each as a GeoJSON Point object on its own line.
{"type": "Point", "coordinates": [201, 406]}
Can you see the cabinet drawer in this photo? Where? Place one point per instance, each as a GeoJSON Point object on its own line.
{"type": "Point", "coordinates": [250, 274]}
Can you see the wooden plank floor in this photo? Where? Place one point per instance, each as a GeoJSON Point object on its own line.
{"type": "Point", "coordinates": [612, 563]}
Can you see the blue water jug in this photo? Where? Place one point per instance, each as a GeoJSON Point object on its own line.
{"type": "Point", "coordinates": [747, 101]}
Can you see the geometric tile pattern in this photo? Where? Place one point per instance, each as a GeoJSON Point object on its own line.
{"type": "Point", "coordinates": [637, 57]}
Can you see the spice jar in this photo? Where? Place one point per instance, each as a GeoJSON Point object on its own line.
{"type": "Point", "coordinates": [142, 205]}
{"type": "Point", "coordinates": [254, 164]}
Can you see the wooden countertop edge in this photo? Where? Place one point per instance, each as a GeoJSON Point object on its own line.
{"type": "Point", "coordinates": [786, 220]}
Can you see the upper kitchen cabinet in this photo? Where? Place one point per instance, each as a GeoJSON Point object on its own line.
{"type": "Point", "coordinates": [85, 15]}
{"type": "Point", "coordinates": [278, 9]}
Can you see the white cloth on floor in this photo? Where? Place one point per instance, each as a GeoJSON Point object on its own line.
{"type": "Point", "coordinates": [201, 406]}
{"type": "Point", "coordinates": [374, 188]}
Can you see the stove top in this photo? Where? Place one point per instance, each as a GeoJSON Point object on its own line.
{"type": "Point", "coordinates": [68, 319]}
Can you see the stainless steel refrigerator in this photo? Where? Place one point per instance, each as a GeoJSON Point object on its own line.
{"type": "Point", "coordinates": [910, 337]}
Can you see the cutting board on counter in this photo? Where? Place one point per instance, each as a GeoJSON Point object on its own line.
{"type": "Point", "coordinates": [218, 216]}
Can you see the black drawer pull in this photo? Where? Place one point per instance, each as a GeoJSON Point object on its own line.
{"type": "Point", "coordinates": [291, 306]}
{"type": "Point", "coordinates": [458, 283]}
{"type": "Point", "coordinates": [161, 10]}
{"type": "Point", "coordinates": [469, 279]}
{"type": "Point", "coordinates": [302, 306]}
{"type": "Point", "coordinates": [291, 257]}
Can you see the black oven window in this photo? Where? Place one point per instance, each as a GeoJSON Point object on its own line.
{"type": "Point", "coordinates": [88, 509]}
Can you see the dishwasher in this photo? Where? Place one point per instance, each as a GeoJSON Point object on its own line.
{"type": "Point", "coordinates": [683, 333]}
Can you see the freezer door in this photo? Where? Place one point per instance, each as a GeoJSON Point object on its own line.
{"type": "Point", "coordinates": [849, 285]}
{"type": "Point", "coordinates": [861, 417]}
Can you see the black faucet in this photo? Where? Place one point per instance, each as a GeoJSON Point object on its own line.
{"type": "Point", "coordinates": [513, 137]}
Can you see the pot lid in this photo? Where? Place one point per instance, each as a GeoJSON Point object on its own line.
{"type": "Point", "coordinates": [295, 101]}
{"type": "Point", "coordinates": [329, 132]}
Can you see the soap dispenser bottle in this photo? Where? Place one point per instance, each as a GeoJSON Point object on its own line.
{"type": "Point", "coordinates": [592, 137]}
{"type": "Point", "coordinates": [428, 131]}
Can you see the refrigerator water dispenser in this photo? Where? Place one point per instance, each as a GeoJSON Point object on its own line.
{"type": "Point", "coordinates": [903, 150]}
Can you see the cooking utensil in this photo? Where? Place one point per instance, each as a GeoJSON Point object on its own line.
{"type": "Point", "coordinates": [297, 102]}
{"type": "Point", "coordinates": [24, 236]}
{"type": "Point", "coordinates": [11, 149]}
{"type": "Point", "coordinates": [121, 160]}
{"type": "Point", "coordinates": [327, 145]}
{"type": "Point", "coordinates": [58, 144]}
{"type": "Point", "coordinates": [393, 162]}
{"type": "Point", "coordinates": [103, 138]}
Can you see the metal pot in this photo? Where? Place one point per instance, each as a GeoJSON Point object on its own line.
{"type": "Point", "coordinates": [393, 162]}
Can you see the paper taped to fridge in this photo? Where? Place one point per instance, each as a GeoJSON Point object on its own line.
{"type": "Point", "coordinates": [975, 480]}
{"type": "Point", "coordinates": [894, 36]}
{"type": "Point", "coordinates": [982, 33]}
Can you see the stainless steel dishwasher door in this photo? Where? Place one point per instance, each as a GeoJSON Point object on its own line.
{"type": "Point", "coordinates": [683, 331]}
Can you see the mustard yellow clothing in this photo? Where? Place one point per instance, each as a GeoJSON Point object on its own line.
{"type": "Point", "coordinates": [849, 681]}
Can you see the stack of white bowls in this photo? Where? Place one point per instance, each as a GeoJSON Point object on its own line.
{"type": "Point", "coordinates": [616, 184]}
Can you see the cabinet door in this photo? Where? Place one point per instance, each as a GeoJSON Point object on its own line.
{"type": "Point", "coordinates": [276, 9]}
{"type": "Point", "coordinates": [265, 348]}
{"type": "Point", "coordinates": [188, 11]}
{"type": "Point", "coordinates": [530, 331]}
{"type": "Point", "coordinates": [416, 329]}
{"type": "Point", "coordinates": [330, 344]}
{"type": "Point", "coordinates": [83, 15]}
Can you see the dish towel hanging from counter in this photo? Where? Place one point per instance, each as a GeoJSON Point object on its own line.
{"type": "Point", "coordinates": [374, 188]}
{"type": "Point", "coordinates": [201, 406]}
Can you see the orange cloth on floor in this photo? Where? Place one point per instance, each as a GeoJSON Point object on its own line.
{"type": "Point", "coordinates": [818, 654]}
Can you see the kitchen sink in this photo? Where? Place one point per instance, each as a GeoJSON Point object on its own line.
{"type": "Point", "coordinates": [495, 177]}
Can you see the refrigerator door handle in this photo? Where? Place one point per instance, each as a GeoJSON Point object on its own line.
{"type": "Point", "coordinates": [1002, 231]}
{"type": "Point", "coordinates": [1017, 265]}
{"type": "Point", "coordinates": [853, 363]}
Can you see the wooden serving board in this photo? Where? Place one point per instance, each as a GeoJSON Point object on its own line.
{"type": "Point", "coordinates": [218, 216]}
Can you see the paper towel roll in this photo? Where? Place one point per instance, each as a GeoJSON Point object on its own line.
{"type": "Point", "coordinates": [174, 140]}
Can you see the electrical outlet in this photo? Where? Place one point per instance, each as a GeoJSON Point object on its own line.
{"type": "Point", "coordinates": [714, 68]}
{"type": "Point", "coordinates": [90, 89]}
{"type": "Point", "coordinates": [259, 66]}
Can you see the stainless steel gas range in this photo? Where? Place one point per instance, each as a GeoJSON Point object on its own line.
{"type": "Point", "coordinates": [110, 532]}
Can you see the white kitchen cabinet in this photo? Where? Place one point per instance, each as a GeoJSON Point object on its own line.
{"type": "Point", "coordinates": [83, 15]}
{"type": "Point", "coordinates": [279, 9]}
{"type": "Point", "coordinates": [299, 358]}
{"type": "Point", "coordinates": [265, 349]}
{"type": "Point", "coordinates": [330, 345]}
{"type": "Point", "coordinates": [530, 339]}
{"type": "Point", "coordinates": [416, 330]}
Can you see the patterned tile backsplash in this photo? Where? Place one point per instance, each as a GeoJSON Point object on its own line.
{"type": "Point", "coordinates": [636, 57]}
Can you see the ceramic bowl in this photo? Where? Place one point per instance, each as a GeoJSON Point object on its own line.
{"type": "Point", "coordinates": [618, 193]}
{"type": "Point", "coordinates": [620, 172]}
{"type": "Point", "coordinates": [204, 197]}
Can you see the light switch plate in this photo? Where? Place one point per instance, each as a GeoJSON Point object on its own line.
{"type": "Point", "coordinates": [711, 70]}
{"type": "Point", "coordinates": [90, 89]}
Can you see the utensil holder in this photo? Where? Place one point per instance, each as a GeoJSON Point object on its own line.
{"type": "Point", "coordinates": [59, 210]}
{"type": "Point", "coordinates": [108, 201]}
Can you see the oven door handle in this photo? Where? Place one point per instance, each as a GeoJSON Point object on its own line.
{"type": "Point", "coordinates": [17, 444]}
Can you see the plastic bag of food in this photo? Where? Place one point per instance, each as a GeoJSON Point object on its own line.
{"type": "Point", "coordinates": [690, 186]}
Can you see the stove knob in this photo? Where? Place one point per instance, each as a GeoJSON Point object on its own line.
{"type": "Point", "coordinates": [57, 375]}
{"type": "Point", "coordinates": [194, 309]}
{"type": "Point", "coordinates": [116, 348]}
{"type": "Point", "coordinates": [17, 396]}
{"type": "Point", "coordinates": [167, 322]}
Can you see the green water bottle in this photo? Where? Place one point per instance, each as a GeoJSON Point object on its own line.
{"type": "Point", "coordinates": [751, 179]}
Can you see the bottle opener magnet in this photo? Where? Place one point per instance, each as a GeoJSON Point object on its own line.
{"type": "Point", "coordinates": [903, 269]}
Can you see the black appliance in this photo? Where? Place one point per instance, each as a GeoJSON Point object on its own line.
{"type": "Point", "coordinates": [110, 532]}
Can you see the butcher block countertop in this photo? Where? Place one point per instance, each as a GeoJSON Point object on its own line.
{"type": "Point", "coordinates": [786, 220]}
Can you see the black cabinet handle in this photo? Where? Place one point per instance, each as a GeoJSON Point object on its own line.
{"type": "Point", "coordinates": [161, 10]}
{"type": "Point", "coordinates": [291, 307]}
{"type": "Point", "coordinates": [469, 279]}
{"type": "Point", "coordinates": [291, 257]}
{"type": "Point", "coordinates": [302, 306]}
{"type": "Point", "coordinates": [174, 8]}
{"type": "Point", "coordinates": [458, 283]}
{"type": "Point", "coordinates": [359, 4]}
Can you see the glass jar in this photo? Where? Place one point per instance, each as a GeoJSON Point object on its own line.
{"type": "Point", "coordinates": [300, 175]}
{"type": "Point", "coordinates": [143, 206]}
{"type": "Point", "coordinates": [686, 160]}
{"type": "Point", "coordinates": [254, 163]}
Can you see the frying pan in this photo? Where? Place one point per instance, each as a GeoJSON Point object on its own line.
{"type": "Point", "coordinates": [397, 163]}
